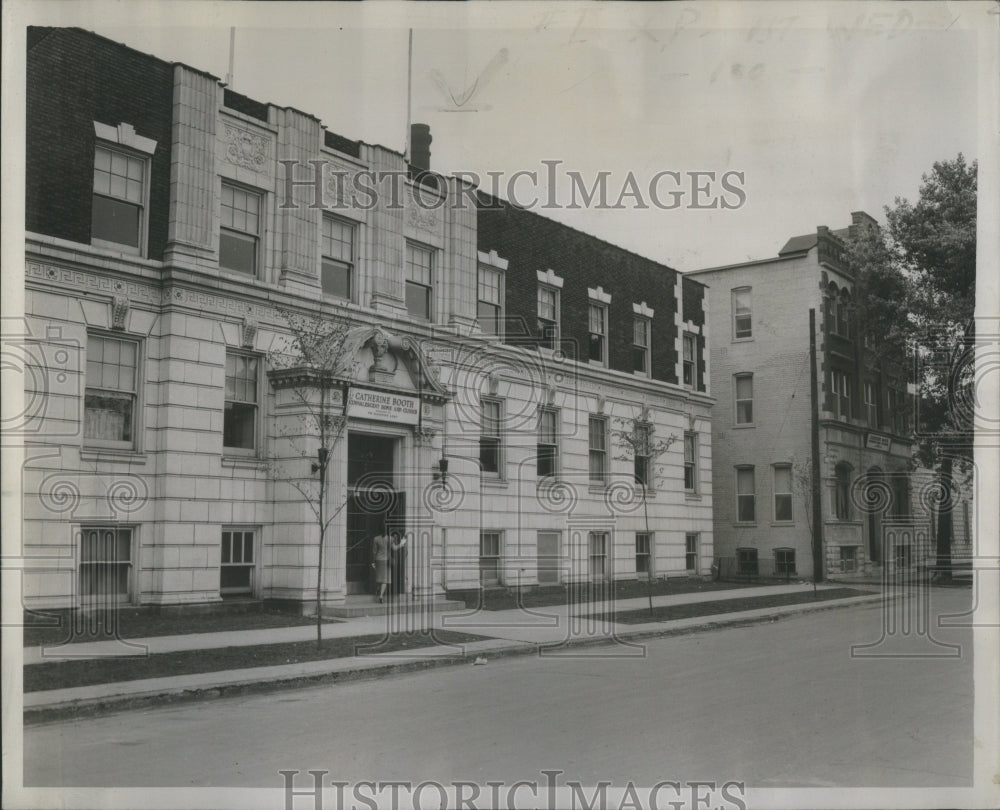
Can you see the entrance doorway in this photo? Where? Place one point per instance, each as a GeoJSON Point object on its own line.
{"type": "Point", "coordinates": [374, 505]}
{"type": "Point", "coordinates": [875, 519]}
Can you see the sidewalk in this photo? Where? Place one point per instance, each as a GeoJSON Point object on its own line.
{"type": "Point", "coordinates": [551, 630]}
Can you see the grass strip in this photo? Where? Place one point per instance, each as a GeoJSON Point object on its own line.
{"type": "Point", "coordinates": [69, 673]}
{"type": "Point", "coordinates": [140, 623]}
{"type": "Point", "coordinates": [666, 613]}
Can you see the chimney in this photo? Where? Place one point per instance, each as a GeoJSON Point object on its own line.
{"type": "Point", "coordinates": [861, 221]}
{"type": "Point", "coordinates": [420, 147]}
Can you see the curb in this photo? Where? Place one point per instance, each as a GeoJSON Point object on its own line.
{"type": "Point", "coordinates": [110, 704]}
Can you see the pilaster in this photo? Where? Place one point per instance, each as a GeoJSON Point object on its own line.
{"type": "Point", "coordinates": [192, 169]}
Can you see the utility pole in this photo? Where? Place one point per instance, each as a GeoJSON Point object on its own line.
{"type": "Point", "coordinates": [817, 500]}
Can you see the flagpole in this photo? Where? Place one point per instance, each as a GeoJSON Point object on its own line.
{"type": "Point", "coordinates": [409, 94]}
{"type": "Point", "coordinates": [232, 56]}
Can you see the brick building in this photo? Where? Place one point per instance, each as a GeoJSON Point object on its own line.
{"type": "Point", "coordinates": [874, 501]}
{"type": "Point", "coordinates": [498, 360]}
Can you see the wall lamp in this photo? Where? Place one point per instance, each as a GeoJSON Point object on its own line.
{"type": "Point", "coordinates": [321, 454]}
{"type": "Point", "coordinates": [441, 473]}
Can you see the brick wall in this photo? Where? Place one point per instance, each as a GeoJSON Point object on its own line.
{"type": "Point", "coordinates": [73, 79]}
{"type": "Point", "coordinates": [531, 243]}
{"type": "Point", "coordinates": [778, 357]}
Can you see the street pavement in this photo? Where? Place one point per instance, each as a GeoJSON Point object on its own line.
{"type": "Point", "coordinates": [775, 704]}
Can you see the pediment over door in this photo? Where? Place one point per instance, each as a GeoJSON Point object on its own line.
{"type": "Point", "coordinates": [394, 362]}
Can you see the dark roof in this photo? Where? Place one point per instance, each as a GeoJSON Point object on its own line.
{"type": "Point", "coordinates": [798, 244]}
{"type": "Point", "coordinates": [560, 230]}
{"type": "Point", "coordinates": [801, 244]}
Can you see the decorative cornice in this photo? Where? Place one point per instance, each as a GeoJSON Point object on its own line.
{"type": "Point", "coordinates": [643, 310]}
{"type": "Point", "coordinates": [125, 135]}
{"type": "Point", "coordinates": [492, 259]}
{"type": "Point", "coordinates": [549, 277]}
{"type": "Point", "coordinates": [598, 295]}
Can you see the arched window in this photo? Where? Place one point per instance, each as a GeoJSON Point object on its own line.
{"type": "Point", "coordinates": [842, 492]}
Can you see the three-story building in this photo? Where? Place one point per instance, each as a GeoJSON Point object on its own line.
{"type": "Point", "coordinates": [496, 362]}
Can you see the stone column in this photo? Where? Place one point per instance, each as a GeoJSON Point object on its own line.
{"type": "Point", "coordinates": [461, 256]}
{"type": "Point", "coordinates": [192, 169]}
{"type": "Point", "coordinates": [299, 212]}
{"type": "Point", "coordinates": [387, 245]}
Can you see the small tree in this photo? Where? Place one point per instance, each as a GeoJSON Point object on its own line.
{"type": "Point", "coordinates": [315, 357]}
{"type": "Point", "coordinates": [805, 485]}
{"type": "Point", "coordinates": [636, 441]}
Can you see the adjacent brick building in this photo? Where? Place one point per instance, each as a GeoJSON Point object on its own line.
{"type": "Point", "coordinates": [874, 501]}
{"type": "Point", "coordinates": [497, 360]}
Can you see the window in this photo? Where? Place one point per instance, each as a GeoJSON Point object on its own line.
{"type": "Point", "coordinates": [691, 552]}
{"type": "Point", "coordinates": [840, 387]}
{"type": "Point", "coordinates": [548, 317]}
{"type": "Point", "coordinates": [746, 561]}
{"type": "Point", "coordinates": [902, 556]}
{"type": "Point", "coordinates": [239, 426]}
{"type": "Point", "coordinates": [782, 492]}
{"type": "Point", "coordinates": [105, 571]}
{"type": "Point", "coordinates": [489, 558]}
{"type": "Point", "coordinates": [490, 307]}
{"type": "Point", "coordinates": [742, 317]}
{"type": "Point", "coordinates": [548, 443]}
{"type": "Point", "coordinates": [848, 559]}
{"type": "Point", "coordinates": [118, 207]}
{"type": "Point", "coordinates": [744, 399]}
{"type": "Point", "coordinates": [640, 346]}
{"type": "Point", "coordinates": [598, 542]}
{"type": "Point", "coordinates": [419, 281]}
{"type": "Point", "coordinates": [689, 355]}
{"type": "Point", "coordinates": [966, 522]}
{"type": "Point", "coordinates": [843, 319]}
{"type": "Point", "coordinates": [897, 414]}
{"type": "Point", "coordinates": [598, 334]}
{"type": "Point", "coordinates": [642, 557]}
{"type": "Point", "coordinates": [110, 397]}
{"type": "Point", "coordinates": [691, 462]}
{"type": "Point", "coordinates": [490, 437]}
{"type": "Point", "coordinates": [337, 274]}
{"type": "Point", "coordinates": [842, 491]}
{"type": "Point", "coordinates": [236, 571]}
{"type": "Point", "coordinates": [598, 437]}
{"type": "Point", "coordinates": [871, 406]}
{"type": "Point", "coordinates": [900, 496]}
{"type": "Point", "coordinates": [745, 498]}
{"type": "Point", "coordinates": [240, 229]}
{"type": "Point", "coordinates": [548, 558]}
{"type": "Point", "coordinates": [784, 561]}
{"type": "Point", "coordinates": [641, 455]}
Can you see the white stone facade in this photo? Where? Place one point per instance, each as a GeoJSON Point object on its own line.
{"type": "Point", "coordinates": [177, 501]}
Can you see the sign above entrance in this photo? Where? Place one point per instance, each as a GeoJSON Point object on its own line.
{"type": "Point", "coordinates": [365, 403]}
{"type": "Point", "coordinates": [878, 442]}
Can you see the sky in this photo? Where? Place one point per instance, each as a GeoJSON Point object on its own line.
{"type": "Point", "coordinates": [821, 109]}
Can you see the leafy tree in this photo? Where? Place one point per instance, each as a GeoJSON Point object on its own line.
{"type": "Point", "coordinates": [916, 291]}
{"type": "Point", "coordinates": [937, 241]}
{"type": "Point", "coordinates": [636, 441]}
{"type": "Point", "coordinates": [315, 358]}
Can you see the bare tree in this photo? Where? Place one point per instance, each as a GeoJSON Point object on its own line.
{"type": "Point", "coordinates": [314, 361]}
{"type": "Point", "coordinates": [636, 441]}
{"type": "Point", "coordinates": [804, 485]}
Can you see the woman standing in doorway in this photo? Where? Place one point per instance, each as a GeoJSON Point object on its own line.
{"type": "Point", "coordinates": [380, 555]}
